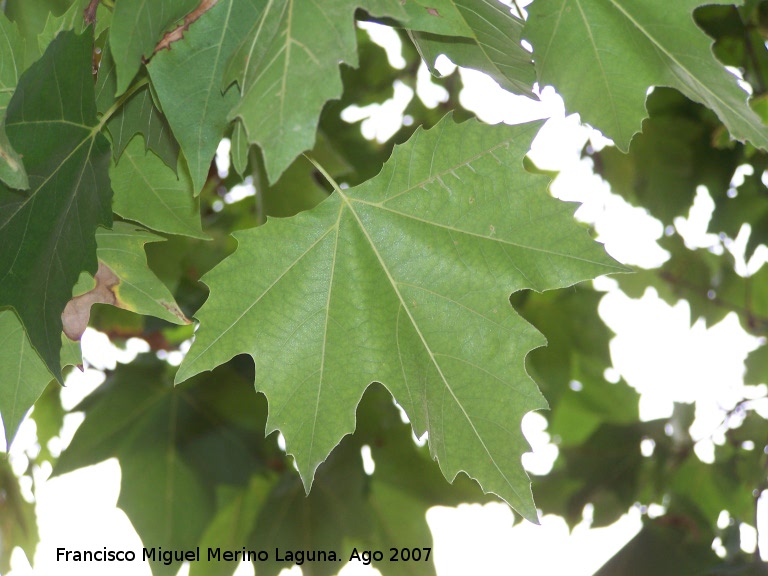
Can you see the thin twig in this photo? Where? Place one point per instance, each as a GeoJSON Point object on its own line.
{"type": "Point", "coordinates": [519, 11]}
{"type": "Point", "coordinates": [89, 14]}
{"type": "Point", "coordinates": [178, 32]}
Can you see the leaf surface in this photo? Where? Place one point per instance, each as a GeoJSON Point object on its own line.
{"type": "Point", "coordinates": [47, 233]}
{"type": "Point", "coordinates": [286, 72]}
{"type": "Point", "coordinates": [404, 280]}
{"type": "Point", "coordinates": [624, 47]}
{"type": "Point", "coordinates": [149, 192]}
{"type": "Point", "coordinates": [137, 26]}
{"type": "Point", "coordinates": [138, 115]}
{"type": "Point", "coordinates": [26, 374]}
{"type": "Point", "coordinates": [12, 57]}
{"type": "Point", "coordinates": [493, 45]}
{"type": "Point", "coordinates": [196, 107]}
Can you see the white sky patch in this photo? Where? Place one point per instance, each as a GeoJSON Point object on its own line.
{"type": "Point", "coordinates": [543, 452]}
{"type": "Point", "coordinates": [381, 121]}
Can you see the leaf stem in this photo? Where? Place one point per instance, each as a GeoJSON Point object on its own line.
{"type": "Point", "coordinates": [327, 176]}
{"type": "Point", "coordinates": [260, 182]}
{"type": "Point", "coordinates": [119, 103]}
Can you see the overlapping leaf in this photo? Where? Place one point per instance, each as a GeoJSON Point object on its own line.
{"type": "Point", "coordinates": [139, 290]}
{"type": "Point", "coordinates": [194, 103]}
{"type": "Point", "coordinates": [137, 115]}
{"type": "Point", "coordinates": [12, 57]}
{"type": "Point", "coordinates": [404, 280]}
{"type": "Point", "coordinates": [136, 28]}
{"type": "Point", "coordinates": [47, 232]}
{"type": "Point", "coordinates": [18, 528]}
{"type": "Point", "coordinates": [286, 72]}
{"type": "Point", "coordinates": [26, 374]}
{"type": "Point", "coordinates": [493, 45]}
{"type": "Point", "coordinates": [148, 191]}
{"type": "Point", "coordinates": [623, 47]}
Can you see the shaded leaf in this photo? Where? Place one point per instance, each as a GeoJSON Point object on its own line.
{"type": "Point", "coordinates": [194, 103]}
{"type": "Point", "coordinates": [670, 158]}
{"type": "Point", "coordinates": [149, 192]}
{"type": "Point", "coordinates": [47, 233]}
{"type": "Point", "coordinates": [18, 525]}
{"type": "Point", "coordinates": [627, 46]}
{"type": "Point", "coordinates": [493, 45]}
{"type": "Point", "coordinates": [138, 115]}
{"type": "Point", "coordinates": [26, 374]}
{"type": "Point", "coordinates": [665, 547]}
{"type": "Point", "coordinates": [386, 283]}
{"type": "Point", "coordinates": [31, 18]}
{"type": "Point", "coordinates": [12, 56]}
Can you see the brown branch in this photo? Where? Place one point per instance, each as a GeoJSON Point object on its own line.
{"type": "Point", "coordinates": [89, 14]}
{"type": "Point", "coordinates": [178, 32]}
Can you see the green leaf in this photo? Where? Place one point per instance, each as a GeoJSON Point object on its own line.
{"type": "Point", "coordinates": [139, 290]}
{"type": "Point", "coordinates": [149, 192]}
{"type": "Point", "coordinates": [373, 285]}
{"type": "Point", "coordinates": [196, 107]}
{"type": "Point", "coordinates": [136, 28]}
{"type": "Point", "coordinates": [138, 115]}
{"type": "Point", "coordinates": [437, 16]}
{"type": "Point", "coordinates": [670, 158]}
{"type": "Point", "coordinates": [493, 46]}
{"type": "Point", "coordinates": [25, 373]}
{"type": "Point", "coordinates": [19, 526]}
{"type": "Point", "coordinates": [31, 18]}
{"type": "Point", "coordinates": [72, 19]}
{"type": "Point", "coordinates": [47, 233]}
{"type": "Point", "coordinates": [287, 71]}
{"type": "Point", "coordinates": [12, 56]}
{"type": "Point", "coordinates": [664, 547]}
{"type": "Point", "coordinates": [186, 439]}
{"type": "Point", "coordinates": [624, 47]}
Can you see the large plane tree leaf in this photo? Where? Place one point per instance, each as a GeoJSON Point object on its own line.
{"type": "Point", "coordinates": [194, 103]}
{"type": "Point", "coordinates": [47, 232]}
{"type": "Point", "coordinates": [137, 26]}
{"type": "Point", "coordinates": [12, 57]}
{"type": "Point", "coordinates": [405, 280]}
{"type": "Point", "coordinates": [603, 55]}
{"type": "Point", "coordinates": [493, 46]}
{"type": "Point", "coordinates": [287, 71]}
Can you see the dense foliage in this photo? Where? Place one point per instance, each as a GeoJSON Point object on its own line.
{"type": "Point", "coordinates": [430, 268]}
